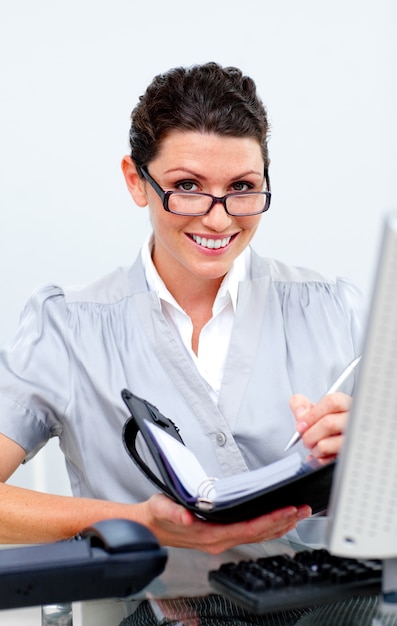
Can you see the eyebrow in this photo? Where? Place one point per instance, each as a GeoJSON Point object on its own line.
{"type": "Point", "coordinates": [203, 177]}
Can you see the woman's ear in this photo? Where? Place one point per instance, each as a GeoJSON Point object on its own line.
{"type": "Point", "coordinates": [134, 182]}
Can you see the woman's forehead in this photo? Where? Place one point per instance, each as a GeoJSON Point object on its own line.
{"type": "Point", "coordinates": [192, 148]}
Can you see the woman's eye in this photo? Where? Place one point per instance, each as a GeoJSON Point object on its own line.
{"type": "Point", "coordinates": [242, 186]}
{"type": "Point", "coordinates": [186, 185]}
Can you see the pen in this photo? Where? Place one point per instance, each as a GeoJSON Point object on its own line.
{"type": "Point", "coordinates": [338, 383]}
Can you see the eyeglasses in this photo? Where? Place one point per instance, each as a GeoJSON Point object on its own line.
{"type": "Point", "coordinates": [239, 204]}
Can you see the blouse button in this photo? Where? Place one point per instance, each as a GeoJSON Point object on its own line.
{"type": "Point", "coordinates": [220, 439]}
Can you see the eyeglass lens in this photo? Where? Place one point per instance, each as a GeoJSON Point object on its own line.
{"type": "Point", "coordinates": [197, 203]}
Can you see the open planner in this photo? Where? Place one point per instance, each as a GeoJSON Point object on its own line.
{"type": "Point", "coordinates": [287, 482]}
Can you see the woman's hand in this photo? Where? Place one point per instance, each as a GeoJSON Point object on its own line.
{"type": "Point", "coordinates": [322, 425]}
{"type": "Point", "coordinates": [176, 526]}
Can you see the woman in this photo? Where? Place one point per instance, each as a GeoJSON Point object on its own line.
{"type": "Point", "coordinates": [219, 339]}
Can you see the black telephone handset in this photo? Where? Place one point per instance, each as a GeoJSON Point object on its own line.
{"type": "Point", "coordinates": [119, 535]}
{"type": "Point", "coordinates": [113, 558]}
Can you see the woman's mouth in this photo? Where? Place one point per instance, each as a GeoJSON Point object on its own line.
{"type": "Point", "coordinates": [211, 244]}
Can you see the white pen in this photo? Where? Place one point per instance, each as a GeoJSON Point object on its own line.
{"type": "Point", "coordinates": [338, 383]}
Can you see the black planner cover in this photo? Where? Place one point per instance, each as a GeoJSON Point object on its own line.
{"type": "Point", "coordinates": [311, 487]}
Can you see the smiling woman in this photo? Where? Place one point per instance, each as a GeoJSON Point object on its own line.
{"type": "Point", "coordinates": [186, 249]}
{"type": "Point", "coordinates": [215, 336]}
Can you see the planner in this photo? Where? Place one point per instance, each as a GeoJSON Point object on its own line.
{"type": "Point", "coordinates": [177, 472]}
{"type": "Point", "coordinates": [192, 482]}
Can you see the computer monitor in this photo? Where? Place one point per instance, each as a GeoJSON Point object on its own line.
{"type": "Point", "coordinates": [363, 505]}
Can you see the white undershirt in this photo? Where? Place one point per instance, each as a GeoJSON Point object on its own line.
{"type": "Point", "coordinates": [215, 335]}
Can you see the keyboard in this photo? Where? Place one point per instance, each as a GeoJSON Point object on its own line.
{"type": "Point", "coordinates": [310, 577]}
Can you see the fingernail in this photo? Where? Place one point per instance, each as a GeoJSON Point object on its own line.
{"type": "Point", "coordinates": [304, 514]}
{"type": "Point", "coordinates": [301, 427]}
{"type": "Point", "coordinates": [300, 411]}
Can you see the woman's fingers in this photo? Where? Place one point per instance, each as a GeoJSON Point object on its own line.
{"type": "Point", "coordinates": [322, 425]}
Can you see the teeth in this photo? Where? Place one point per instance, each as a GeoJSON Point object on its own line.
{"type": "Point", "coordinates": [211, 243]}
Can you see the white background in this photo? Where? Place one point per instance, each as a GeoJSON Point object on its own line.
{"type": "Point", "coordinates": [71, 72]}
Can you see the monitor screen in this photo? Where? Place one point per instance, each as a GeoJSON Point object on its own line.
{"type": "Point", "coordinates": [363, 506]}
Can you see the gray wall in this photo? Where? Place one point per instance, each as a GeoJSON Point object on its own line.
{"type": "Point", "coordinates": [72, 70]}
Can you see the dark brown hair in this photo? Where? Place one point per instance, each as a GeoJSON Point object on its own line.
{"type": "Point", "coordinates": [206, 98]}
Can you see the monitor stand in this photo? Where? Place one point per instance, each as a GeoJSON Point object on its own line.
{"type": "Point", "coordinates": [386, 614]}
{"type": "Point", "coordinates": [57, 614]}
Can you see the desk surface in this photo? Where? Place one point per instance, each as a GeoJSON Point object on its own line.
{"type": "Point", "coordinates": [185, 575]}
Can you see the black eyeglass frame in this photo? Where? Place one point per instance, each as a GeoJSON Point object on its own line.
{"type": "Point", "coordinates": [165, 195]}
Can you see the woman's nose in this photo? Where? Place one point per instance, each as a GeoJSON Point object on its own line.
{"type": "Point", "coordinates": [217, 219]}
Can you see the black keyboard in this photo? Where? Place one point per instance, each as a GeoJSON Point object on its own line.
{"type": "Point", "coordinates": [281, 582]}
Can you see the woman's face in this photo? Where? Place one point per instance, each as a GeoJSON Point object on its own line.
{"type": "Point", "coordinates": [184, 247]}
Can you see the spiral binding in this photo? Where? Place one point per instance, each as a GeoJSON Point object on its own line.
{"type": "Point", "coordinates": [205, 493]}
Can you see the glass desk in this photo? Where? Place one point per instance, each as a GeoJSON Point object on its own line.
{"type": "Point", "coordinates": [185, 575]}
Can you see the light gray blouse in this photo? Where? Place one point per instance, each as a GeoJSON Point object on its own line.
{"type": "Point", "coordinates": [77, 348]}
